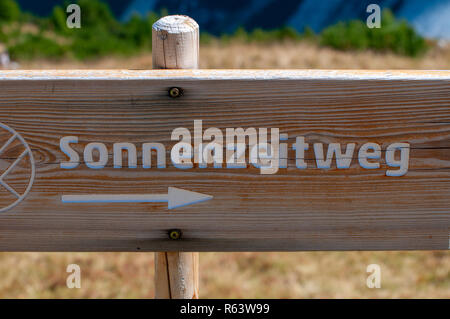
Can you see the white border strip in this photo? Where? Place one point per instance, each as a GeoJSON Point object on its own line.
{"type": "Point", "coordinates": [224, 75]}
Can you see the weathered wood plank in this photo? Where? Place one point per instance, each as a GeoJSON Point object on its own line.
{"type": "Point", "coordinates": [294, 209]}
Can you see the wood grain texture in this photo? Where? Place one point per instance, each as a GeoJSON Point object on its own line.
{"type": "Point", "coordinates": [311, 209]}
{"type": "Point", "coordinates": [175, 43]}
{"type": "Point", "coordinates": [178, 265]}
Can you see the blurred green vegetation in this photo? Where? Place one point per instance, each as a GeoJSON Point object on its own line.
{"type": "Point", "coordinates": [9, 11]}
{"type": "Point", "coordinates": [394, 35]}
{"type": "Point", "coordinates": [262, 36]}
{"type": "Point", "coordinates": [28, 37]}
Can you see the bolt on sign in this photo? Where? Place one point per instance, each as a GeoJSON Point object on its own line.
{"type": "Point", "coordinates": [211, 160]}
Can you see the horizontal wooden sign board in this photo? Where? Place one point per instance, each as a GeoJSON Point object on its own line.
{"type": "Point", "coordinates": [114, 160]}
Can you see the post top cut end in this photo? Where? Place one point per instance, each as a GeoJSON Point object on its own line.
{"type": "Point", "coordinates": [175, 24]}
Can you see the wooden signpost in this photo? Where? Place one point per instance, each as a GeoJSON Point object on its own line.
{"type": "Point", "coordinates": [89, 162]}
{"type": "Point", "coordinates": [67, 118]}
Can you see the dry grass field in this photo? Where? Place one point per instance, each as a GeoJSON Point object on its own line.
{"type": "Point", "coordinates": [299, 55]}
{"type": "Point", "coordinates": [243, 275]}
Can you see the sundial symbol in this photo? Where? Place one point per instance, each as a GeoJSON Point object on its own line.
{"type": "Point", "coordinates": [17, 166]}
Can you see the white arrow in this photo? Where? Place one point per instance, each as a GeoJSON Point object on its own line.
{"type": "Point", "coordinates": [175, 198]}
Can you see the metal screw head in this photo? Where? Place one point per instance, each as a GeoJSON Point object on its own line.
{"type": "Point", "coordinates": [175, 92]}
{"type": "Point", "coordinates": [174, 234]}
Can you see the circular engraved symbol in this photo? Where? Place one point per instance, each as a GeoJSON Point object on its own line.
{"type": "Point", "coordinates": [17, 168]}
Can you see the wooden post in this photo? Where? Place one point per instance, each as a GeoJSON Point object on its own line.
{"type": "Point", "coordinates": [175, 45]}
